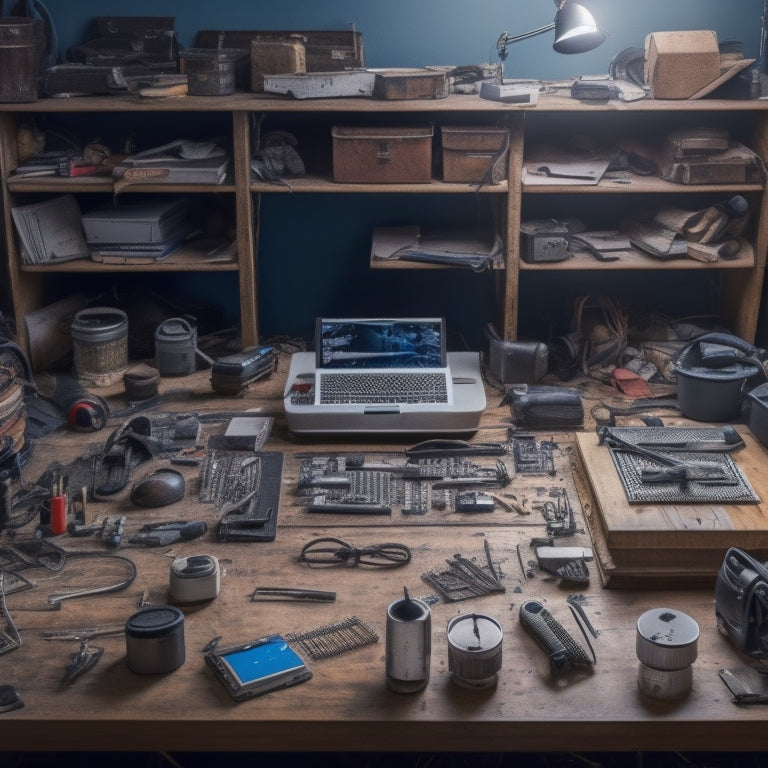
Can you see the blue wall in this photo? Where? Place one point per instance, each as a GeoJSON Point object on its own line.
{"type": "Point", "coordinates": [314, 249]}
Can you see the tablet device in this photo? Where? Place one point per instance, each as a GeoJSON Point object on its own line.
{"type": "Point", "coordinates": [257, 667]}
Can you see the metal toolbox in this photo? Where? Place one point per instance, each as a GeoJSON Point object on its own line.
{"type": "Point", "coordinates": [474, 153]}
{"type": "Point", "coordinates": [211, 71]}
{"type": "Point", "coordinates": [382, 154]}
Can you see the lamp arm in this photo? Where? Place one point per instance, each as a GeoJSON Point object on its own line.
{"type": "Point", "coordinates": [505, 39]}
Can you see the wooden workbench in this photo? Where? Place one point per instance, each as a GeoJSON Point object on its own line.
{"type": "Point", "coordinates": [346, 706]}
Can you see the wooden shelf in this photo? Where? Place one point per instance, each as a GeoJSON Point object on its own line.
{"type": "Point", "coordinates": [325, 184]}
{"type": "Point", "coordinates": [740, 281]}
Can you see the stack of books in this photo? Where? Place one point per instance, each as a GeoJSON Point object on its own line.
{"type": "Point", "coordinates": [121, 234]}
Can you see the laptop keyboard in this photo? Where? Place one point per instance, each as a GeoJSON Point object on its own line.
{"type": "Point", "coordinates": [380, 387]}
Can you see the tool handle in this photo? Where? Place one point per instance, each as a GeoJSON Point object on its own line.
{"type": "Point", "coordinates": [564, 652]}
{"type": "Point", "coordinates": [532, 617]}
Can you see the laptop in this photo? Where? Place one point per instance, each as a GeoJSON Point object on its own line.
{"type": "Point", "coordinates": [383, 375]}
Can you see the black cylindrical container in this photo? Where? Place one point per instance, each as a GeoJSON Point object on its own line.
{"type": "Point", "coordinates": [154, 640]}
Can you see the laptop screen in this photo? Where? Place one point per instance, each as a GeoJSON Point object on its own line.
{"type": "Point", "coordinates": [380, 343]}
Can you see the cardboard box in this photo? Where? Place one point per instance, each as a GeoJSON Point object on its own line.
{"type": "Point", "coordinates": [474, 153]}
{"type": "Point", "coordinates": [679, 64]}
{"type": "Point", "coordinates": [382, 155]}
{"type": "Point", "coordinates": [275, 57]}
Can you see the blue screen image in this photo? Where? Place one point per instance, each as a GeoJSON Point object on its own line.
{"type": "Point", "coordinates": [261, 661]}
{"type": "Point", "coordinates": [382, 344]}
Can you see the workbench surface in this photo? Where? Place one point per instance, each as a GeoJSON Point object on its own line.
{"type": "Point", "coordinates": [346, 706]}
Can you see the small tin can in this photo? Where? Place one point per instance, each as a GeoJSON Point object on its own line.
{"type": "Point", "coordinates": [154, 640]}
{"type": "Point", "coordinates": [408, 644]}
{"type": "Point", "coordinates": [194, 578]}
{"type": "Point", "coordinates": [474, 650]}
{"type": "Point", "coordinates": [667, 646]}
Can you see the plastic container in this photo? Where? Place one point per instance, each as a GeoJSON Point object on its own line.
{"type": "Point", "coordinates": [100, 345]}
{"type": "Point", "coordinates": [175, 347]}
{"type": "Point", "coordinates": [712, 373]}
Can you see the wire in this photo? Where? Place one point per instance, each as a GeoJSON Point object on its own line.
{"type": "Point", "coordinates": [330, 551]}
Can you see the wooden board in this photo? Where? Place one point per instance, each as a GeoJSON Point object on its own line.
{"type": "Point", "coordinates": [678, 544]}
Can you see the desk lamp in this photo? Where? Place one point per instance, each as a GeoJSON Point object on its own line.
{"type": "Point", "coordinates": [576, 31]}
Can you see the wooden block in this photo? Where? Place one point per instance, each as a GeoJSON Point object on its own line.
{"type": "Point", "coordinates": [683, 543]}
{"type": "Point", "coordinates": [275, 57]}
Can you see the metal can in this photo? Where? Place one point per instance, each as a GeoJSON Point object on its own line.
{"type": "Point", "coordinates": [408, 644]}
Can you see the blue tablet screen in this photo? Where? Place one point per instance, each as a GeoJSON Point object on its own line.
{"type": "Point", "coordinates": [263, 660]}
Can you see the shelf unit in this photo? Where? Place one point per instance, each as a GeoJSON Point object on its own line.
{"type": "Point", "coordinates": [739, 282]}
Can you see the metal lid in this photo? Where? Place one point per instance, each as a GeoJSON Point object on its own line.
{"type": "Point", "coordinates": [99, 324]}
{"type": "Point", "coordinates": [154, 621]}
{"type": "Point", "coordinates": [194, 566]}
{"type": "Point", "coordinates": [667, 639]}
{"type": "Point", "coordinates": [474, 648]}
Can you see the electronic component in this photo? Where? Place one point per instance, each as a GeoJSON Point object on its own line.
{"type": "Point", "coordinates": [257, 667]}
{"type": "Point", "coordinates": [232, 373]}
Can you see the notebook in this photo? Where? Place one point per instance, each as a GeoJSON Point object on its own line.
{"type": "Point", "coordinates": [383, 375]}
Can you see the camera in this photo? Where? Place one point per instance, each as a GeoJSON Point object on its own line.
{"type": "Point", "coordinates": [741, 602]}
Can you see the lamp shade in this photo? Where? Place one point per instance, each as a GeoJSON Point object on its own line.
{"type": "Point", "coordinates": [576, 30]}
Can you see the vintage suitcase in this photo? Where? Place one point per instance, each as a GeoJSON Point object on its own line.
{"type": "Point", "coordinates": [410, 84]}
{"type": "Point", "coordinates": [322, 85]}
{"type": "Point", "coordinates": [275, 57]}
{"type": "Point", "coordinates": [325, 51]}
{"type": "Point", "coordinates": [695, 141]}
{"type": "Point", "coordinates": [474, 153]}
{"type": "Point", "coordinates": [135, 26]}
{"type": "Point", "coordinates": [736, 165]}
{"type": "Point", "coordinates": [382, 155]}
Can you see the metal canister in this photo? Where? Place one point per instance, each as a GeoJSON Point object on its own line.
{"type": "Point", "coordinates": [474, 650]}
{"type": "Point", "coordinates": [667, 646]}
{"type": "Point", "coordinates": [154, 640]}
{"type": "Point", "coordinates": [408, 644]}
{"type": "Point", "coordinates": [100, 345]}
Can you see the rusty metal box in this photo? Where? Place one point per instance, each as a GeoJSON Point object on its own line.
{"type": "Point", "coordinates": [474, 153]}
{"type": "Point", "coordinates": [401, 84]}
{"type": "Point", "coordinates": [383, 154]}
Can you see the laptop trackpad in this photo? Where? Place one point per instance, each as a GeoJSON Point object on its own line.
{"type": "Point", "coordinates": [376, 409]}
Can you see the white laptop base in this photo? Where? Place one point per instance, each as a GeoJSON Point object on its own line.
{"type": "Point", "coordinates": [460, 416]}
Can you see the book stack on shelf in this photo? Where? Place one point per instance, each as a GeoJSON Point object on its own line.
{"type": "Point", "coordinates": [135, 232]}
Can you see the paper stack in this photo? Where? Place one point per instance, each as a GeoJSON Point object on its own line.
{"type": "Point", "coordinates": [50, 232]}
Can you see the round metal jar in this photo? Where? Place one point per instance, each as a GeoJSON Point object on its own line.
{"type": "Point", "coordinates": [474, 650]}
{"type": "Point", "coordinates": [154, 640]}
{"type": "Point", "coordinates": [667, 639]}
{"type": "Point", "coordinates": [194, 578]}
{"type": "Point", "coordinates": [664, 683]}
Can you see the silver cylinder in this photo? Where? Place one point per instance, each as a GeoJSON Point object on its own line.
{"type": "Point", "coordinates": [667, 639]}
{"type": "Point", "coordinates": [408, 645]}
{"type": "Point", "coordinates": [474, 650]}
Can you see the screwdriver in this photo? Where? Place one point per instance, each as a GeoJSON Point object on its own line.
{"type": "Point", "coordinates": [163, 534]}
